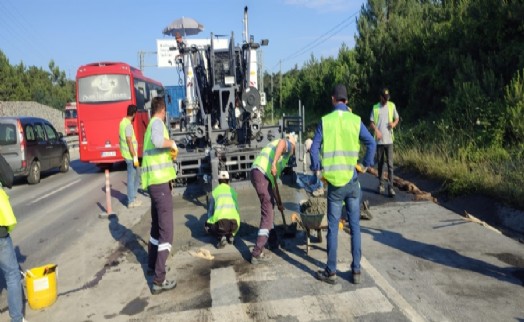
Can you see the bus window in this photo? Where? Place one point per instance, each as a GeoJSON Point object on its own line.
{"type": "Point", "coordinates": [140, 97]}
{"type": "Point", "coordinates": [104, 88]}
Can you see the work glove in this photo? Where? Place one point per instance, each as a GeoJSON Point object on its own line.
{"type": "Point", "coordinates": [135, 161]}
{"type": "Point", "coordinates": [174, 151]}
{"type": "Point", "coordinates": [361, 169]}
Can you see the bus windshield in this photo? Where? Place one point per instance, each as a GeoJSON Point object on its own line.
{"type": "Point", "coordinates": [104, 88]}
{"type": "Point", "coordinates": [70, 114]}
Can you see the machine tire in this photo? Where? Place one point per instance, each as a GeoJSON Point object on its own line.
{"type": "Point", "coordinates": [64, 164]}
{"type": "Point", "coordinates": [34, 173]}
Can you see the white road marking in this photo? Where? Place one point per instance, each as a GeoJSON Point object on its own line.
{"type": "Point", "coordinates": [391, 293]}
{"type": "Point", "coordinates": [54, 191]}
{"type": "Point", "coordinates": [345, 306]}
{"type": "Point", "coordinates": [225, 296]}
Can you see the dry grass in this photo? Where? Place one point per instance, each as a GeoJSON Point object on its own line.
{"type": "Point", "coordinates": [487, 174]}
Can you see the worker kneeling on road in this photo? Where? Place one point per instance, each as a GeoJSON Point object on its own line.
{"type": "Point", "coordinates": [223, 218]}
{"type": "Point", "coordinates": [266, 168]}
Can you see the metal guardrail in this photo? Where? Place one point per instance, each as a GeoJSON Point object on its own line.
{"type": "Point", "coordinates": [72, 141]}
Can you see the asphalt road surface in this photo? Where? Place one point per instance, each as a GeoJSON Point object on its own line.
{"type": "Point", "coordinates": [421, 262]}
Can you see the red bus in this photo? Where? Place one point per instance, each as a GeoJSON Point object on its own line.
{"type": "Point", "coordinates": [103, 92]}
{"type": "Point", "coordinates": [70, 120]}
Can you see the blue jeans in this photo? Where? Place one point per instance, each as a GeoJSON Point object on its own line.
{"type": "Point", "coordinates": [11, 271]}
{"type": "Point", "coordinates": [350, 194]}
{"type": "Point", "coordinates": [133, 181]}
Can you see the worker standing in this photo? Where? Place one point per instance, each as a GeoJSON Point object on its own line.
{"type": "Point", "coordinates": [157, 173]}
{"type": "Point", "coordinates": [8, 262]}
{"type": "Point", "coordinates": [223, 218]}
{"type": "Point", "coordinates": [384, 118]}
{"type": "Point", "coordinates": [339, 133]}
{"type": "Point", "coordinates": [129, 151]}
{"type": "Point", "coordinates": [266, 168]}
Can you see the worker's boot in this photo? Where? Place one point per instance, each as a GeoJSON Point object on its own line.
{"type": "Point", "coordinates": [391, 191]}
{"type": "Point", "coordinates": [222, 243]}
{"type": "Point", "coordinates": [380, 189]}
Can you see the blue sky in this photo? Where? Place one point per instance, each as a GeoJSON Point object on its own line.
{"type": "Point", "coordinates": [77, 32]}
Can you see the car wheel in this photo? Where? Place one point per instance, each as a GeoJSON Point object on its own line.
{"type": "Point", "coordinates": [64, 165]}
{"type": "Point", "coordinates": [34, 173]}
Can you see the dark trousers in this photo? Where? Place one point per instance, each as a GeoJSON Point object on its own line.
{"type": "Point", "coordinates": [222, 228]}
{"type": "Point", "coordinates": [385, 151]}
{"type": "Point", "coordinates": [267, 203]}
{"type": "Point", "coordinates": [161, 238]}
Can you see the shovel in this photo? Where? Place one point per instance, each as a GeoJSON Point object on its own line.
{"type": "Point", "coordinates": [288, 233]}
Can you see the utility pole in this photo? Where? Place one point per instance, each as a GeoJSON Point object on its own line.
{"type": "Point", "coordinates": [272, 104]}
{"type": "Point", "coordinates": [280, 61]}
{"type": "Point", "coordinates": [141, 56]}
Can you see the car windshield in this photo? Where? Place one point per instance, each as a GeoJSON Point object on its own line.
{"type": "Point", "coordinates": [104, 88]}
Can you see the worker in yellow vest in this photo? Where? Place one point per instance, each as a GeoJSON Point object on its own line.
{"type": "Point", "coordinates": [266, 168]}
{"type": "Point", "coordinates": [338, 138]}
{"type": "Point", "coordinates": [157, 173]}
{"type": "Point", "coordinates": [384, 118]}
{"type": "Point", "coordinates": [223, 218]}
{"type": "Point", "coordinates": [129, 151]}
{"type": "Point", "coordinates": [8, 262]}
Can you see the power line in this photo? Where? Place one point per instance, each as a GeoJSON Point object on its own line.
{"type": "Point", "coordinates": [321, 39]}
{"type": "Point", "coordinates": [21, 29]}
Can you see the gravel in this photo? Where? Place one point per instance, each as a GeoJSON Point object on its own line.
{"type": "Point", "coordinates": [24, 108]}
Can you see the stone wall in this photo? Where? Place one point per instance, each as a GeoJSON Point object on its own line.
{"type": "Point", "coordinates": [20, 108]}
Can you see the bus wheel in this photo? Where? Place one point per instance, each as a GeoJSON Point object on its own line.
{"type": "Point", "coordinates": [34, 173]}
{"type": "Point", "coordinates": [64, 165]}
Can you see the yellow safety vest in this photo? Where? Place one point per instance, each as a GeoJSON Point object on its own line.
{"type": "Point", "coordinates": [264, 161]}
{"type": "Point", "coordinates": [124, 148]}
{"type": "Point", "coordinates": [7, 217]}
{"type": "Point", "coordinates": [391, 109]}
{"type": "Point", "coordinates": [226, 206]}
{"type": "Point", "coordinates": [340, 146]}
{"type": "Point", "coordinates": [157, 164]}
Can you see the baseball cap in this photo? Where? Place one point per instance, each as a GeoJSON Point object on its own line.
{"type": "Point", "coordinates": [340, 92]}
{"type": "Point", "coordinates": [223, 175]}
{"type": "Point", "coordinates": [385, 93]}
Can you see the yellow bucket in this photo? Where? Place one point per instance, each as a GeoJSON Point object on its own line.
{"type": "Point", "coordinates": [41, 286]}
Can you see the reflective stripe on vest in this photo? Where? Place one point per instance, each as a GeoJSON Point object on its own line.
{"type": "Point", "coordinates": [124, 148]}
{"type": "Point", "coordinates": [376, 109]}
{"type": "Point", "coordinates": [157, 167]}
{"type": "Point", "coordinates": [7, 217]}
{"type": "Point", "coordinates": [340, 146]}
{"type": "Point", "coordinates": [225, 205]}
{"type": "Point", "coordinates": [265, 159]}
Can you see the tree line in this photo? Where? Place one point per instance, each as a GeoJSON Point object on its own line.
{"type": "Point", "coordinates": [29, 83]}
{"type": "Point", "coordinates": [452, 67]}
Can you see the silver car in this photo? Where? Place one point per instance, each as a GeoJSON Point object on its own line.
{"type": "Point", "coordinates": [32, 145]}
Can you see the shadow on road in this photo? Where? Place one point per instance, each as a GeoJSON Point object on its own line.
{"type": "Point", "coordinates": [129, 240]}
{"type": "Point", "coordinates": [443, 256]}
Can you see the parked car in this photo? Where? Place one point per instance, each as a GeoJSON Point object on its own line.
{"type": "Point", "coordinates": [32, 145]}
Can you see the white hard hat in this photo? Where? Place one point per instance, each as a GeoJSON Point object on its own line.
{"type": "Point", "coordinates": [223, 175]}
